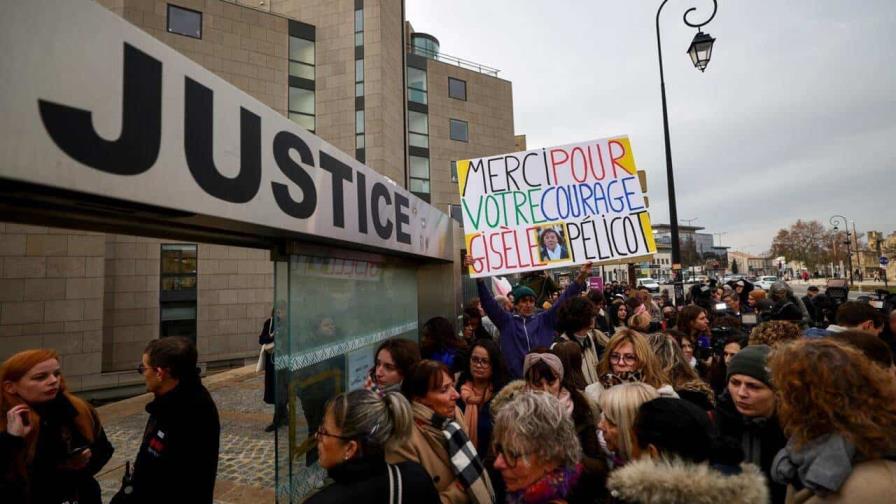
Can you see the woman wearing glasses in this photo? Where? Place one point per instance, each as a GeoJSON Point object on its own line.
{"type": "Point", "coordinates": [544, 372]}
{"type": "Point", "coordinates": [357, 428]}
{"type": "Point", "coordinates": [538, 453]}
{"type": "Point", "coordinates": [484, 376]}
{"type": "Point", "coordinates": [51, 442]}
{"type": "Point", "coordinates": [629, 358]}
{"type": "Point", "coordinates": [438, 440]}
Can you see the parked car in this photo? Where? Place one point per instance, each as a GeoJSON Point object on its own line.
{"type": "Point", "coordinates": [765, 282]}
{"type": "Point", "coordinates": [649, 283]}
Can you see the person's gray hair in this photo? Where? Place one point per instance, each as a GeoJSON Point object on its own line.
{"type": "Point", "coordinates": [373, 421]}
{"type": "Point", "coordinates": [535, 424]}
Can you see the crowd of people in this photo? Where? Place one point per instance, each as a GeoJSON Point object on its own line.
{"type": "Point", "coordinates": [578, 396]}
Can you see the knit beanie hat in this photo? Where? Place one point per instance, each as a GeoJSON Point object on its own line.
{"type": "Point", "coordinates": [751, 361]}
{"type": "Point", "coordinates": [521, 291]}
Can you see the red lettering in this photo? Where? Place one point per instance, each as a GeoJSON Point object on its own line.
{"type": "Point", "coordinates": [496, 248]}
{"type": "Point", "coordinates": [572, 164]}
{"type": "Point", "coordinates": [600, 158]}
{"type": "Point", "coordinates": [532, 245]}
{"type": "Point", "coordinates": [615, 158]}
{"type": "Point", "coordinates": [507, 247]}
{"type": "Point", "coordinates": [555, 162]}
{"type": "Point", "coordinates": [477, 261]}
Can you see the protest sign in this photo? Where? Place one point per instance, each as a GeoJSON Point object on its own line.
{"type": "Point", "coordinates": [552, 207]}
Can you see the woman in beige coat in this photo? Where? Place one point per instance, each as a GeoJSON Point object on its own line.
{"type": "Point", "coordinates": [438, 441]}
{"type": "Point", "coordinates": [839, 409]}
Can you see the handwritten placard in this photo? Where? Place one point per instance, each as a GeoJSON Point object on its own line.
{"type": "Point", "coordinates": [556, 206]}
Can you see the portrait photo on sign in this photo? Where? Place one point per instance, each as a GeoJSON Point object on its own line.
{"type": "Point", "coordinates": [552, 243]}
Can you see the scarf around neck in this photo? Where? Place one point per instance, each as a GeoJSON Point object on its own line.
{"type": "Point", "coordinates": [473, 399]}
{"type": "Point", "coordinates": [611, 379]}
{"type": "Point", "coordinates": [822, 466]}
{"type": "Point", "coordinates": [553, 486]}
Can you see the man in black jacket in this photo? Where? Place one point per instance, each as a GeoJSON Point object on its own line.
{"type": "Point", "coordinates": [178, 459]}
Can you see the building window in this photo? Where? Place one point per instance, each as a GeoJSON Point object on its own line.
{"type": "Point", "coordinates": [455, 212]}
{"type": "Point", "coordinates": [457, 88]}
{"type": "Point", "coordinates": [185, 22]}
{"type": "Point", "coordinates": [418, 129]}
{"type": "Point", "coordinates": [419, 174]}
{"type": "Point", "coordinates": [177, 293]}
{"type": "Point", "coordinates": [301, 107]}
{"type": "Point", "coordinates": [301, 58]}
{"type": "Point", "coordinates": [359, 129]}
{"type": "Point", "coordinates": [417, 85]}
{"type": "Point", "coordinates": [359, 27]}
{"type": "Point", "coordinates": [460, 130]}
{"type": "Point", "coordinates": [454, 172]}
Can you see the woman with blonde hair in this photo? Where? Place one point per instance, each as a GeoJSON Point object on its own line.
{"type": "Point", "coordinates": [683, 378]}
{"type": "Point", "coordinates": [839, 409]}
{"type": "Point", "coordinates": [619, 406]}
{"type": "Point", "coordinates": [629, 358]}
{"type": "Point", "coordinates": [51, 442]}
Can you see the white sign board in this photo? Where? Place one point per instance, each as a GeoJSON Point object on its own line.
{"type": "Point", "coordinates": [557, 206]}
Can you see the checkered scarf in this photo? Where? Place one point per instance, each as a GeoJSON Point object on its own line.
{"type": "Point", "coordinates": [467, 465]}
{"type": "Point", "coordinates": [465, 462]}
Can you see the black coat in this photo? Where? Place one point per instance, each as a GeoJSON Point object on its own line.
{"type": "Point", "coordinates": [270, 394]}
{"type": "Point", "coordinates": [58, 436]}
{"type": "Point", "coordinates": [178, 459]}
{"type": "Point", "coordinates": [367, 481]}
{"type": "Point", "coordinates": [741, 430]}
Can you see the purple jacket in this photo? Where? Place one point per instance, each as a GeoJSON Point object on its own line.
{"type": "Point", "coordinates": [519, 335]}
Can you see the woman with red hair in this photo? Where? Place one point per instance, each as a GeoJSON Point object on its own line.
{"type": "Point", "coordinates": [839, 409]}
{"type": "Point", "coordinates": [51, 442]}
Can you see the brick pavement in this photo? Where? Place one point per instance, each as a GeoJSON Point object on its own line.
{"type": "Point", "coordinates": [246, 460]}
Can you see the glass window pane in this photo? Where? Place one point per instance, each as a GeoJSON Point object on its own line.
{"type": "Point", "coordinates": [419, 185]}
{"type": "Point", "coordinates": [301, 70]}
{"type": "Point", "coordinates": [418, 140]}
{"type": "Point", "coordinates": [359, 39]}
{"type": "Point", "coordinates": [417, 78]}
{"type": "Point", "coordinates": [418, 122]}
{"type": "Point", "coordinates": [457, 89]}
{"type": "Point", "coordinates": [456, 214]}
{"type": "Point", "coordinates": [417, 96]}
{"type": "Point", "coordinates": [359, 121]}
{"type": "Point", "coordinates": [301, 50]}
{"type": "Point", "coordinates": [454, 171]}
{"type": "Point", "coordinates": [359, 20]}
{"type": "Point", "coordinates": [419, 167]}
{"type": "Point", "coordinates": [178, 313]}
{"type": "Point", "coordinates": [459, 130]}
{"type": "Point", "coordinates": [359, 89]}
{"type": "Point", "coordinates": [184, 22]}
{"type": "Point", "coordinates": [359, 141]}
{"type": "Point", "coordinates": [305, 121]}
{"type": "Point", "coordinates": [359, 70]}
{"type": "Point", "coordinates": [301, 100]}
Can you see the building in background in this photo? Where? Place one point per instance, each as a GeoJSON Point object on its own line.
{"type": "Point", "coordinates": [353, 72]}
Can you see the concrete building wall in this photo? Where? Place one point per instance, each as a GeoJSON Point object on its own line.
{"type": "Point", "coordinates": [51, 295]}
{"type": "Point", "coordinates": [489, 112]}
{"type": "Point", "coordinates": [244, 46]}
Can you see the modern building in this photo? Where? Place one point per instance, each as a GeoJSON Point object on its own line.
{"type": "Point", "coordinates": [354, 73]}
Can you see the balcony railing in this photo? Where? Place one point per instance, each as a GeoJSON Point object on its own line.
{"type": "Point", "coordinates": [454, 60]}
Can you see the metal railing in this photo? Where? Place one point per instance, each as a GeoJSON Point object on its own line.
{"type": "Point", "coordinates": [453, 60]}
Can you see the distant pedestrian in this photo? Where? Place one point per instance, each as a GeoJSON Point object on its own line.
{"type": "Point", "coordinates": [51, 442]}
{"type": "Point", "coordinates": [178, 457]}
{"type": "Point", "coordinates": [352, 440]}
{"type": "Point", "coordinates": [275, 384]}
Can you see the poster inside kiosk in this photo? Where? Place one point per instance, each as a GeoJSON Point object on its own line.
{"type": "Point", "coordinates": [552, 207]}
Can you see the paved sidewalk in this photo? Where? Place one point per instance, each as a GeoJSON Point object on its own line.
{"type": "Point", "coordinates": [246, 459]}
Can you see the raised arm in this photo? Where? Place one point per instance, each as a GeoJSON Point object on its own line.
{"type": "Point", "coordinates": [495, 313]}
{"type": "Point", "coordinates": [573, 289]}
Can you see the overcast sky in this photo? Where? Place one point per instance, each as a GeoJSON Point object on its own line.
{"type": "Point", "coordinates": [795, 117]}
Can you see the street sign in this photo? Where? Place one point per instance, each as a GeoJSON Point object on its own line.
{"type": "Point", "coordinates": [884, 260]}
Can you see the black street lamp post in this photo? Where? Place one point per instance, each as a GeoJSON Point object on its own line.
{"type": "Point", "coordinates": [833, 222]}
{"type": "Point", "coordinates": [700, 52]}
